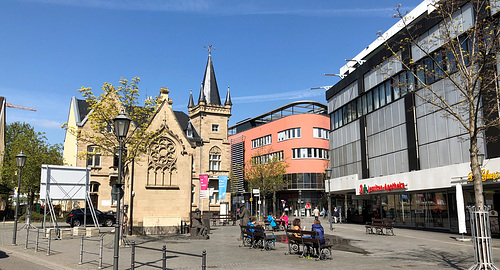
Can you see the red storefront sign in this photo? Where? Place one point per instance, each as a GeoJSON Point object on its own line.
{"type": "Point", "coordinates": [364, 189]}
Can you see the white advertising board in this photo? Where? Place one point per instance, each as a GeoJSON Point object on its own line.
{"type": "Point", "coordinates": [64, 182]}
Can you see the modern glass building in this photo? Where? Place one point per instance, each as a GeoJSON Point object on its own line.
{"type": "Point", "coordinates": [395, 155]}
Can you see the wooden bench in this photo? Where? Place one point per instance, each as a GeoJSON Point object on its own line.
{"type": "Point", "coordinates": [224, 219]}
{"type": "Point", "coordinates": [377, 226]}
{"type": "Point", "coordinates": [256, 237]}
{"type": "Point", "coordinates": [310, 242]}
{"type": "Point", "coordinates": [313, 247]}
{"type": "Point", "coordinates": [294, 241]}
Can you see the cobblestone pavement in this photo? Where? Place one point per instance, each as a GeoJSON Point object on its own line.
{"type": "Point", "coordinates": [353, 249]}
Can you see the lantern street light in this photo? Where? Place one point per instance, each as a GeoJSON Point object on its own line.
{"type": "Point", "coordinates": [20, 160]}
{"type": "Point", "coordinates": [480, 160]}
{"type": "Point", "coordinates": [121, 124]}
{"type": "Point", "coordinates": [328, 174]}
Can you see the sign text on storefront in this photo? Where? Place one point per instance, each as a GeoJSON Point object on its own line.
{"type": "Point", "coordinates": [364, 189]}
{"type": "Point", "coordinates": [486, 175]}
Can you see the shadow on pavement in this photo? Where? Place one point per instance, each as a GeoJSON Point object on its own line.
{"type": "Point", "coordinates": [442, 258]}
{"type": "Point", "coordinates": [338, 243]}
{"type": "Point", "coordinates": [3, 254]}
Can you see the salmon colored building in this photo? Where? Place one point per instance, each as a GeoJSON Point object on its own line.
{"type": "Point", "coordinates": [298, 133]}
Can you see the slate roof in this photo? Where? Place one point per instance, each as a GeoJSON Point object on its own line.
{"type": "Point", "coordinates": [209, 85]}
{"type": "Point", "coordinates": [186, 125]}
{"type": "Point", "coordinates": [83, 109]}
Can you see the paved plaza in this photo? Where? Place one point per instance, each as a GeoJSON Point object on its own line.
{"type": "Point", "coordinates": [353, 249]}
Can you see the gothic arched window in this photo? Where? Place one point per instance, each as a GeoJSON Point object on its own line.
{"type": "Point", "coordinates": [215, 159]}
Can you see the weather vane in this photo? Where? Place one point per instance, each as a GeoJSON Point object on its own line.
{"type": "Point", "coordinates": [209, 49]}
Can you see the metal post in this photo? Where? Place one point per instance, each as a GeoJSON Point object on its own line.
{"type": "Point", "coordinates": [300, 204]}
{"type": "Point", "coordinates": [204, 260]}
{"type": "Point", "coordinates": [100, 250]}
{"type": "Point", "coordinates": [17, 208]}
{"type": "Point", "coordinates": [27, 237]}
{"type": "Point", "coordinates": [81, 251]}
{"type": "Point", "coordinates": [132, 256]}
{"type": "Point", "coordinates": [164, 259]}
{"type": "Point", "coordinates": [118, 201]}
{"type": "Point", "coordinates": [37, 239]}
{"type": "Point", "coordinates": [330, 209]}
{"type": "Point", "coordinates": [48, 245]}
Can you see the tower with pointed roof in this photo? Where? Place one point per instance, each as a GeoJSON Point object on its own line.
{"type": "Point", "coordinates": [210, 118]}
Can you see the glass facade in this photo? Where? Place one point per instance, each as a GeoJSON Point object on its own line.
{"type": "Point", "coordinates": [306, 180]}
{"type": "Point", "coordinates": [420, 210]}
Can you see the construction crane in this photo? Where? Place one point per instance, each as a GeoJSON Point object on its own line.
{"type": "Point", "coordinates": [10, 105]}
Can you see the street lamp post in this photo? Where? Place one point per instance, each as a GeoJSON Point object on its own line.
{"type": "Point", "coordinates": [121, 124]}
{"type": "Point", "coordinates": [328, 174]}
{"type": "Point", "coordinates": [20, 160]}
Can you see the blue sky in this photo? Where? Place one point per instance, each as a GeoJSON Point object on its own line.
{"type": "Point", "coordinates": [269, 52]}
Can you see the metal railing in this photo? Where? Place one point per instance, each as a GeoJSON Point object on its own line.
{"type": "Point", "coordinates": [82, 251]}
{"type": "Point", "coordinates": [48, 240]}
{"type": "Point", "coordinates": [163, 259]}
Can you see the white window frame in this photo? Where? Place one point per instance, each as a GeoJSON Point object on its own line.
{"type": "Point", "coordinates": [262, 141]}
{"type": "Point", "coordinates": [93, 156]}
{"type": "Point", "coordinates": [320, 133]}
{"type": "Point", "coordinates": [292, 133]}
{"type": "Point", "coordinates": [309, 153]}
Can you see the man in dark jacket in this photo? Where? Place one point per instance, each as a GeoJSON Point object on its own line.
{"type": "Point", "coordinates": [244, 215]}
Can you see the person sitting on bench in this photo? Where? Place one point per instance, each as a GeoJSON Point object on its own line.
{"type": "Point", "coordinates": [270, 218]}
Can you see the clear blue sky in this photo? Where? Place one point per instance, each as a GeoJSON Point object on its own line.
{"type": "Point", "coordinates": [269, 52]}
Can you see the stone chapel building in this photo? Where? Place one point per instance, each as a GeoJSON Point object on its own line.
{"type": "Point", "coordinates": [162, 188]}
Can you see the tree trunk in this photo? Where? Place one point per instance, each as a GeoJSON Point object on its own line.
{"type": "Point", "coordinates": [476, 172]}
{"type": "Point", "coordinates": [274, 203]}
{"type": "Point", "coordinates": [264, 208]}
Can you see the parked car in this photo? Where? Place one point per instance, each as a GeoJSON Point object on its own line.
{"type": "Point", "coordinates": [75, 218]}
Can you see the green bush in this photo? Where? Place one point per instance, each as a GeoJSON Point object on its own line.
{"type": "Point", "coordinates": [37, 217]}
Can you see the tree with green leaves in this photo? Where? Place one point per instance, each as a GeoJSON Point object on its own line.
{"type": "Point", "coordinates": [265, 171]}
{"type": "Point", "coordinates": [104, 107]}
{"type": "Point", "coordinates": [23, 137]}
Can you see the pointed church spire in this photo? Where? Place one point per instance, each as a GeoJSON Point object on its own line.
{"type": "Point", "coordinates": [228, 98]}
{"type": "Point", "coordinates": [191, 101]}
{"type": "Point", "coordinates": [209, 85]}
{"type": "Point", "coordinates": [202, 95]}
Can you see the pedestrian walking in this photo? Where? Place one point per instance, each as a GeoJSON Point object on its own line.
{"type": "Point", "coordinates": [316, 212]}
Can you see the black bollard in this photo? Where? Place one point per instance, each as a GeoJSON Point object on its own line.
{"type": "Point", "coordinates": [132, 260]}
{"type": "Point", "coordinates": [164, 259]}
{"type": "Point", "coordinates": [204, 260]}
